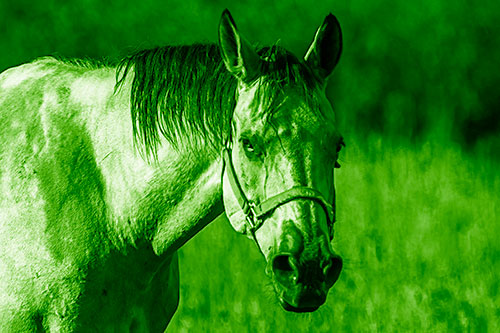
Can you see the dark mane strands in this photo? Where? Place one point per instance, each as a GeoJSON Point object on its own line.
{"type": "Point", "coordinates": [186, 94]}
{"type": "Point", "coordinates": [181, 92]}
{"type": "Point", "coordinates": [279, 69]}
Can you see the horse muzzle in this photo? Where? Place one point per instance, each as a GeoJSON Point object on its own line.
{"type": "Point", "coordinates": [302, 287]}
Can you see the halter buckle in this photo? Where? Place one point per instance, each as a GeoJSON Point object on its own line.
{"type": "Point", "coordinates": [251, 217]}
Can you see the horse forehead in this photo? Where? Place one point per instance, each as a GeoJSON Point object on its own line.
{"type": "Point", "coordinates": [301, 121]}
{"type": "Point", "coordinates": [294, 114]}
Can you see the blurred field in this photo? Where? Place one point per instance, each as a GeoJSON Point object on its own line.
{"type": "Point", "coordinates": [417, 98]}
{"type": "Point", "coordinates": [418, 230]}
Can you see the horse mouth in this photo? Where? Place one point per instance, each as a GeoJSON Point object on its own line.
{"type": "Point", "coordinates": [288, 307]}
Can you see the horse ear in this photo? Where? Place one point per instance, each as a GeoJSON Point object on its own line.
{"type": "Point", "coordinates": [238, 55]}
{"type": "Point", "coordinates": [324, 52]}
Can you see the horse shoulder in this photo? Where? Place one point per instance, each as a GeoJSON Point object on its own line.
{"type": "Point", "coordinates": [52, 209]}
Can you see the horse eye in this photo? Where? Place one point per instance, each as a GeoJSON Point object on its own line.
{"type": "Point", "coordinates": [247, 145]}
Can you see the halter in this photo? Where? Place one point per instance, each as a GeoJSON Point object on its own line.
{"type": "Point", "coordinates": [255, 214]}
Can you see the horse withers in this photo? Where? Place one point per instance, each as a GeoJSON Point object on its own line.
{"type": "Point", "coordinates": [107, 170]}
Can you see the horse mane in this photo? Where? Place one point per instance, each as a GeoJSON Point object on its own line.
{"type": "Point", "coordinates": [186, 94]}
{"type": "Point", "coordinates": [86, 62]}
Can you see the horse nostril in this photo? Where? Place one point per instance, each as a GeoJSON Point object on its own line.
{"type": "Point", "coordinates": [285, 271]}
{"type": "Point", "coordinates": [332, 270]}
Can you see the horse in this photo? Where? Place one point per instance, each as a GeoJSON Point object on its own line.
{"type": "Point", "coordinates": [107, 170]}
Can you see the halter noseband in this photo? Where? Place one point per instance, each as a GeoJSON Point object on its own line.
{"type": "Point", "coordinates": [254, 214]}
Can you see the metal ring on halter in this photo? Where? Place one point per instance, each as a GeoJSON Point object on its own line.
{"type": "Point", "coordinates": [253, 220]}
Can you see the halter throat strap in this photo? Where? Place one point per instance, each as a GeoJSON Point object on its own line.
{"type": "Point", "coordinates": [255, 214]}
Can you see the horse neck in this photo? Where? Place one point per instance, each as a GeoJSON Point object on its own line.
{"type": "Point", "coordinates": [164, 202]}
{"type": "Point", "coordinates": [183, 196]}
{"type": "Point", "coordinates": [187, 198]}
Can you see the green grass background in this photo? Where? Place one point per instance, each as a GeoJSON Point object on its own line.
{"type": "Point", "coordinates": [417, 98]}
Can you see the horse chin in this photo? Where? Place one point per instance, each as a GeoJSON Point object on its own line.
{"type": "Point", "coordinates": [297, 300]}
{"type": "Point", "coordinates": [288, 307]}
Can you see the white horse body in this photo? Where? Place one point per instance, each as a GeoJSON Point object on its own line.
{"type": "Point", "coordinates": [71, 250]}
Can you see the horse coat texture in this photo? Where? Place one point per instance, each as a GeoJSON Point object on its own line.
{"type": "Point", "coordinates": [105, 171]}
{"type": "Point", "coordinates": [60, 259]}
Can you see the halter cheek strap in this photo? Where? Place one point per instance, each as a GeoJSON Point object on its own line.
{"type": "Point", "coordinates": [255, 214]}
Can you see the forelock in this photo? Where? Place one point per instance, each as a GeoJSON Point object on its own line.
{"type": "Point", "coordinates": [279, 70]}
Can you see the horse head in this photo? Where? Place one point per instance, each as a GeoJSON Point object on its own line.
{"type": "Point", "coordinates": [278, 181]}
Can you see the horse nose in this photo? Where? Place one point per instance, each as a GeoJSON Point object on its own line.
{"type": "Point", "coordinates": [285, 269]}
{"type": "Point", "coordinates": [332, 270]}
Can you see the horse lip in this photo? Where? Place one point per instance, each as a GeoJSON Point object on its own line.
{"type": "Point", "coordinates": [288, 307]}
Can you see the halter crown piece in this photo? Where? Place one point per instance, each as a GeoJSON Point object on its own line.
{"type": "Point", "coordinates": [255, 214]}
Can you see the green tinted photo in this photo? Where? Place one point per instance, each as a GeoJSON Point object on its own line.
{"type": "Point", "coordinates": [196, 166]}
